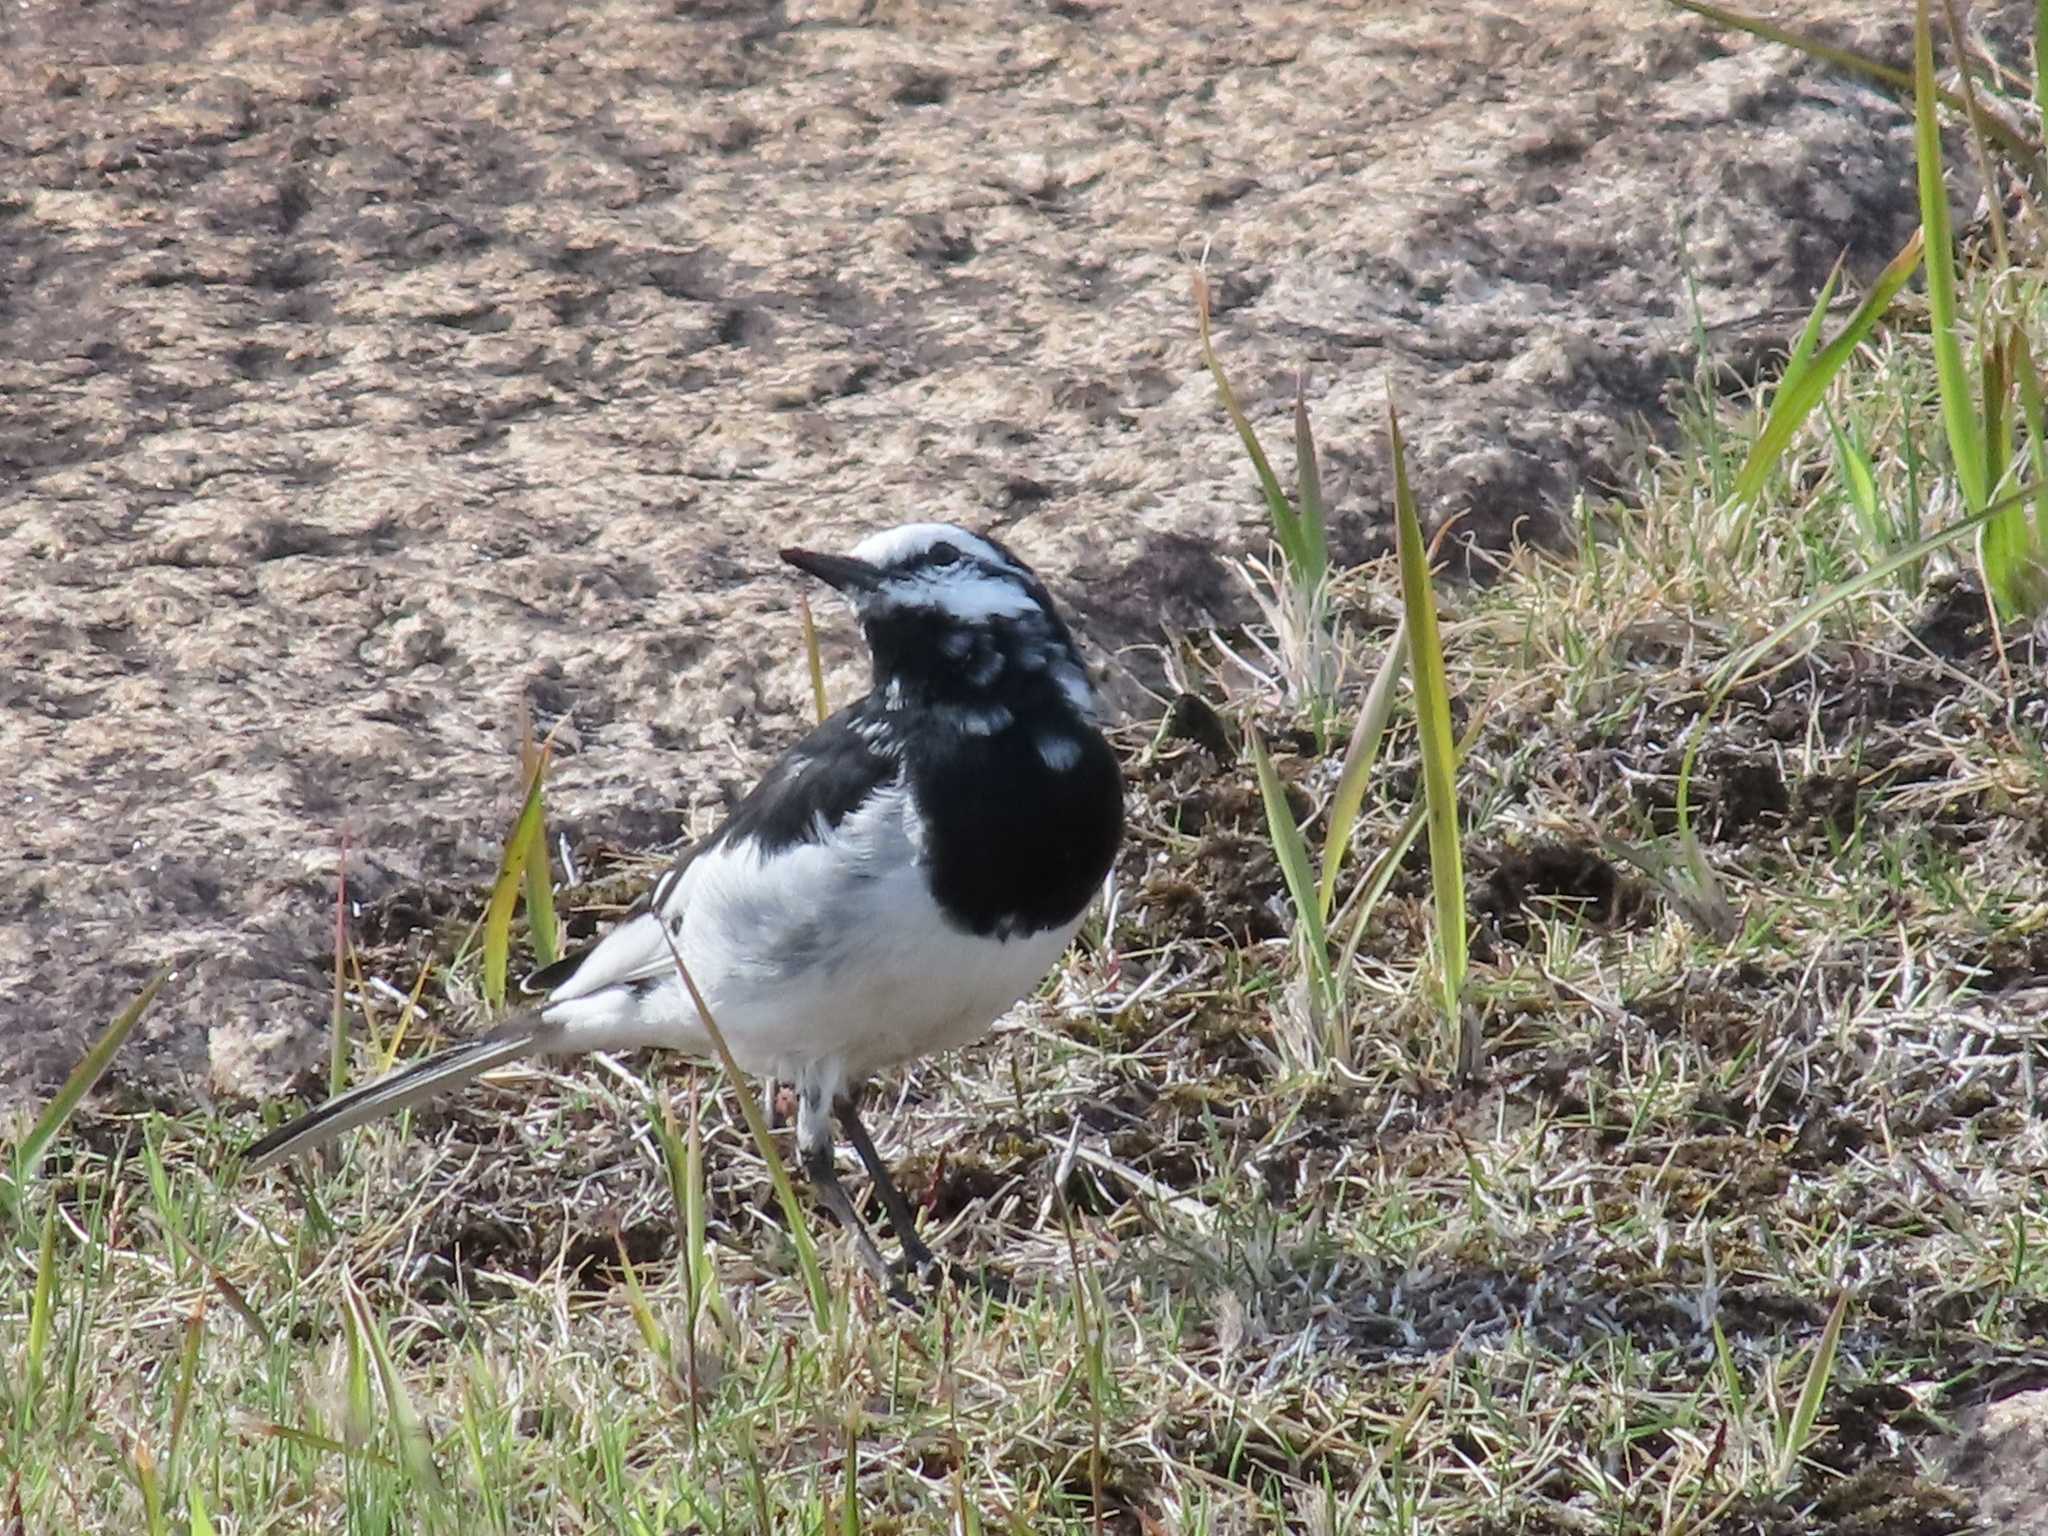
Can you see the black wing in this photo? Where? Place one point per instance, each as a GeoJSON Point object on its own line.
{"type": "Point", "coordinates": [807, 792]}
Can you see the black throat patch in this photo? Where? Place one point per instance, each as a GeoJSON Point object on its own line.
{"type": "Point", "coordinates": [1020, 825]}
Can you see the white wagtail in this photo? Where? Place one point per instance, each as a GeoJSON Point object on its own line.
{"type": "Point", "coordinates": [896, 880]}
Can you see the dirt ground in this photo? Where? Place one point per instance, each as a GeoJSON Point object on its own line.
{"type": "Point", "coordinates": [373, 374]}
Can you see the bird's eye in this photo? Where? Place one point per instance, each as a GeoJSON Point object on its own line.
{"type": "Point", "coordinates": [942, 554]}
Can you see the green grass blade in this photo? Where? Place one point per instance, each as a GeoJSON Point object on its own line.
{"type": "Point", "coordinates": [359, 1418]}
{"type": "Point", "coordinates": [1966, 441]}
{"type": "Point", "coordinates": [1809, 334]}
{"type": "Point", "coordinates": [652, 1335]}
{"type": "Point", "coordinates": [1997, 395]}
{"type": "Point", "coordinates": [543, 928]}
{"type": "Point", "coordinates": [1731, 1375]}
{"type": "Point", "coordinates": [1287, 529]}
{"type": "Point", "coordinates": [42, 1309]}
{"type": "Point", "coordinates": [1795, 398]}
{"type": "Point", "coordinates": [544, 931]}
{"type": "Point", "coordinates": [1308, 479]}
{"type": "Point", "coordinates": [187, 1379]}
{"type": "Point", "coordinates": [1361, 752]}
{"type": "Point", "coordinates": [542, 925]}
{"type": "Point", "coordinates": [2007, 549]}
{"type": "Point", "coordinates": [337, 1008]}
{"type": "Point", "coordinates": [849, 1504]}
{"type": "Point", "coordinates": [1292, 853]}
{"type": "Point", "coordinates": [2031, 416]}
{"type": "Point", "coordinates": [28, 1156]}
{"type": "Point", "coordinates": [1852, 463]}
{"type": "Point", "coordinates": [324, 1445]}
{"type": "Point", "coordinates": [1433, 721]}
{"type": "Point", "coordinates": [415, 1450]}
{"type": "Point", "coordinates": [1358, 907]}
{"type": "Point", "coordinates": [511, 879]}
{"type": "Point", "coordinates": [1377, 878]}
{"type": "Point", "coordinates": [1799, 1431]}
{"type": "Point", "coordinates": [764, 1142]}
{"type": "Point", "coordinates": [151, 1488]}
{"type": "Point", "coordinates": [683, 1198]}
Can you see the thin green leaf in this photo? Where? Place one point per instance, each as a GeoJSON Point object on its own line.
{"type": "Point", "coordinates": [1731, 1375]}
{"type": "Point", "coordinates": [764, 1143]}
{"type": "Point", "coordinates": [1702, 896]}
{"type": "Point", "coordinates": [1308, 478]}
{"type": "Point", "coordinates": [849, 1502]}
{"type": "Point", "coordinates": [1433, 722]}
{"type": "Point", "coordinates": [1688, 883]}
{"type": "Point", "coordinates": [223, 1287]}
{"type": "Point", "coordinates": [544, 932]}
{"type": "Point", "coordinates": [1794, 400]}
{"type": "Point", "coordinates": [195, 1505]}
{"type": "Point", "coordinates": [2037, 458]}
{"type": "Point", "coordinates": [2009, 548]}
{"type": "Point", "coordinates": [1809, 333]}
{"type": "Point", "coordinates": [1292, 853]}
{"type": "Point", "coordinates": [506, 888]}
{"type": "Point", "coordinates": [1958, 414]}
{"type": "Point", "coordinates": [543, 928]}
{"type": "Point", "coordinates": [359, 1419]}
{"type": "Point", "coordinates": [325, 1445]}
{"type": "Point", "coordinates": [337, 1011]}
{"type": "Point", "coordinates": [1377, 878]}
{"type": "Point", "coordinates": [1852, 462]}
{"type": "Point", "coordinates": [42, 1309]}
{"type": "Point", "coordinates": [652, 1334]}
{"type": "Point", "coordinates": [188, 1376]}
{"type": "Point", "coordinates": [685, 1163]}
{"type": "Point", "coordinates": [1799, 1432]}
{"type": "Point", "coordinates": [415, 1450]}
{"type": "Point", "coordinates": [1287, 530]}
{"type": "Point", "coordinates": [1361, 752]}
{"type": "Point", "coordinates": [153, 1520]}
{"type": "Point", "coordinates": [28, 1156]}
{"type": "Point", "coordinates": [1997, 396]}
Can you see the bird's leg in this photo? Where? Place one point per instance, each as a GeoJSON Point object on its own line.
{"type": "Point", "coordinates": [901, 1217]}
{"type": "Point", "coordinates": [814, 1144]}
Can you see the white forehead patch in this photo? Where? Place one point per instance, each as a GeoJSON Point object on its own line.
{"type": "Point", "coordinates": [963, 592]}
{"type": "Point", "coordinates": [984, 584]}
{"type": "Point", "coordinates": [893, 546]}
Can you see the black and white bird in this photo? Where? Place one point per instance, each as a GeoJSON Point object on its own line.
{"type": "Point", "coordinates": [894, 883]}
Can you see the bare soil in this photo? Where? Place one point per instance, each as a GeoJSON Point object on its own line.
{"type": "Point", "coordinates": [373, 377]}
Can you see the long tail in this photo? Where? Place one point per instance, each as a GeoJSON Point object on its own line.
{"type": "Point", "coordinates": [417, 1083]}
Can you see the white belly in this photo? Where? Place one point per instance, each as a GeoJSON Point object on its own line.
{"type": "Point", "coordinates": [823, 960]}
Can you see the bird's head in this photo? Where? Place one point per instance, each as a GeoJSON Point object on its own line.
{"type": "Point", "coordinates": [953, 618]}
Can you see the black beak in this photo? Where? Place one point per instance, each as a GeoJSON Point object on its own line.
{"type": "Point", "coordinates": [841, 571]}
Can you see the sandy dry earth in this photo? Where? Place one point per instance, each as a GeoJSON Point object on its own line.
{"type": "Point", "coordinates": [363, 370]}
